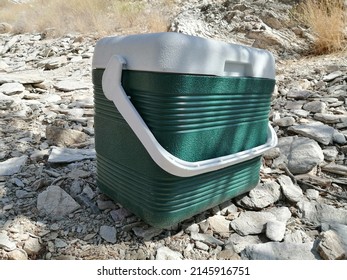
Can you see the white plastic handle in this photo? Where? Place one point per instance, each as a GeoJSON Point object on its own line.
{"type": "Point", "coordinates": [113, 90]}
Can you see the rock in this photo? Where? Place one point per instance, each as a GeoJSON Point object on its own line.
{"type": "Point", "coordinates": [105, 204]}
{"type": "Point", "coordinates": [165, 253]}
{"type": "Point", "coordinates": [317, 213]}
{"type": "Point", "coordinates": [206, 238]}
{"type": "Point", "coordinates": [285, 122]}
{"type": "Point", "coordinates": [56, 203]}
{"type": "Point", "coordinates": [251, 222]}
{"type": "Point", "coordinates": [282, 214]}
{"type": "Point", "coordinates": [71, 85]}
{"type": "Point", "coordinates": [220, 225]}
{"type": "Point", "coordinates": [108, 233]}
{"type": "Point", "coordinates": [280, 251]}
{"type": "Point", "coordinates": [12, 165]}
{"type": "Point", "coordinates": [6, 243]}
{"type": "Point", "coordinates": [312, 194]}
{"type": "Point", "coordinates": [201, 246]}
{"type": "Point", "coordinates": [291, 192]}
{"type": "Point", "coordinates": [6, 102]}
{"type": "Point", "coordinates": [315, 106]}
{"type": "Point", "coordinates": [335, 169]}
{"type": "Point", "coordinates": [12, 88]}
{"type": "Point", "coordinates": [299, 94]}
{"type": "Point", "coordinates": [332, 76]}
{"type": "Point", "coordinates": [275, 230]}
{"type": "Point", "coordinates": [60, 243]}
{"type": "Point", "coordinates": [330, 246]}
{"type": "Point", "coordinates": [63, 137]}
{"type": "Point", "coordinates": [328, 118]}
{"type": "Point", "coordinates": [25, 77]}
{"type": "Point", "coordinates": [261, 196]}
{"type": "Point", "coordinates": [300, 154]}
{"type": "Point", "coordinates": [238, 243]}
{"type": "Point", "coordinates": [65, 155]}
{"type": "Point", "coordinates": [32, 246]}
{"type": "Point", "coordinates": [298, 236]}
{"type": "Point", "coordinates": [272, 153]}
{"type": "Point", "coordinates": [318, 131]}
{"type": "Point", "coordinates": [228, 255]}
{"type": "Point", "coordinates": [17, 254]}
{"type": "Point", "coordinates": [120, 214]}
{"type": "Point", "coordinates": [330, 153]}
{"type": "Point", "coordinates": [147, 233]}
{"type": "Point", "coordinates": [52, 63]}
{"type": "Point", "coordinates": [339, 138]}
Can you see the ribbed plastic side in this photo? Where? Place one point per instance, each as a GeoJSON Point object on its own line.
{"type": "Point", "coordinates": [201, 117]}
{"type": "Point", "coordinates": [127, 174]}
{"type": "Point", "coordinates": [164, 200]}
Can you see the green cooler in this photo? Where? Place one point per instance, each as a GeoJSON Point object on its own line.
{"type": "Point", "coordinates": [181, 122]}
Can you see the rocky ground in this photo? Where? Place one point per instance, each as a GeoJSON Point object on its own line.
{"type": "Point", "coordinates": [51, 208]}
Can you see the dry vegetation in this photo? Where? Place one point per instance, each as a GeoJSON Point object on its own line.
{"type": "Point", "coordinates": [328, 22]}
{"type": "Point", "coordinates": [101, 17]}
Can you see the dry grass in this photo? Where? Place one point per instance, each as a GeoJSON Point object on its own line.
{"type": "Point", "coordinates": [102, 17]}
{"type": "Point", "coordinates": [328, 21]}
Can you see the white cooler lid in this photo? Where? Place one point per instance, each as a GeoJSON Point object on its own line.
{"type": "Point", "coordinates": [180, 53]}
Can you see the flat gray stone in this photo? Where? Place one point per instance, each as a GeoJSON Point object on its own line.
{"type": "Point", "coordinates": [18, 254]}
{"type": "Point", "coordinates": [53, 63]}
{"type": "Point", "coordinates": [282, 214]}
{"type": "Point", "coordinates": [120, 214]}
{"type": "Point", "coordinates": [29, 77]}
{"type": "Point", "coordinates": [71, 85]}
{"type": "Point", "coordinates": [220, 225]}
{"type": "Point", "coordinates": [291, 191]}
{"type": "Point", "coordinates": [56, 203]}
{"type": "Point", "coordinates": [12, 165]}
{"type": "Point", "coordinates": [317, 131]}
{"type": "Point", "coordinates": [32, 246]}
{"type": "Point", "coordinates": [285, 122]}
{"type": "Point", "coordinates": [335, 168]}
{"type": "Point", "coordinates": [299, 94]}
{"type": "Point", "coordinates": [275, 230]}
{"type": "Point", "coordinates": [11, 88]}
{"type": "Point", "coordinates": [317, 213]}
{"type": "Point", "coordinates": [301, 154]}
{"type": "Point", "coordinates": [261, 196]}
{"type": "Point", "coordinates": [332, 76]}
{"type": "Point", "coordinates": [280, 251]}
{"type": "Point", "coordinates": [251, 222]}
{"type": "Point", "coordinates": [238, 242]}
{"type": "Point", "coordinates": [61, 155]}
{"type": "Point", "coordinates": [147, 233]}
{"type": "Point", "coordinates": [339, 138]}
{"type": "Point", "coordinates": [165, 253]}
{"type": "Point", "coordinates": [315, 107]}
{"type": "Point", "coordinates": [228, 255]}
{"type": "Point", "coordinates": [330, 153]}
{"type": "Point", "coordinates": [6, 243]}
{"type": "Point", "coordinates": [328, 118]}
{"type": "Point", "coordinates": [108, 233]}
{"type": "Point", "coordinates": [206, 238]}
{"type": "Point", "coordinates": [331, 247]}
{"type": "Point", "coordinates": [298, 236]}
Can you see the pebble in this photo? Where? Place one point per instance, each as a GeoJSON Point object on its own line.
{"type": "Point", "coordinates": [291, 191]}
{"type": "Point", "coordinates": [56, 203]}
{"type": "Point", "coordinates": [108, 233]}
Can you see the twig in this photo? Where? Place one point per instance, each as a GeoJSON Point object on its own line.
{"type": "Point", "coordinates": [322, 190]}
{"type": "Point", "coordinates": [299, 181]}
